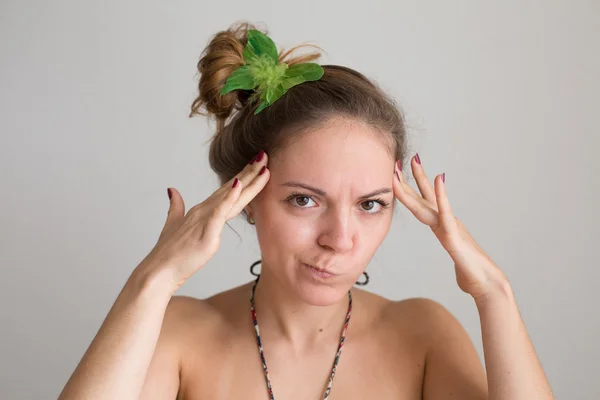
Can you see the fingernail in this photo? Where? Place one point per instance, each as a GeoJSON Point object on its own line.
{"type": "Point", "coordinates": [398, 176]}
{"type": "Point", "coordinates": [418, 158]}
{"type": "Point", "coordinates": [399, 165]}
{"type": "Point", "coordinates": [262, 170]}
{"type": "Point", "coordinates": [260, 156]}
{"type": "Point", "coordinates": [169, 193]}
{"type": "Point", "coordinates": [444, 177]}
{"type": "Point", "coordinates": [252, 160]}
{"type": "Point", "coordinates": [235, 182]}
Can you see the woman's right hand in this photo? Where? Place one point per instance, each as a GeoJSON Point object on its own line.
{"type": "Point", "coordinates": [188, 241]}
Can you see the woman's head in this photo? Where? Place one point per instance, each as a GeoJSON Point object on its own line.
{"type": "Point", "coordinates": [340, 135]}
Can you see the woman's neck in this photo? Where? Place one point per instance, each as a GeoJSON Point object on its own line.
{"type": "Point", "coordinates": [284, 315]}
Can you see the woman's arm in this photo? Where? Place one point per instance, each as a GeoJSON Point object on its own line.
{"type": "Point", "coordinates": [116, 363]}
{"type": "Point", "coordinates": [452, 366]}
{"type": "Point", "coordinates": [513, 369]}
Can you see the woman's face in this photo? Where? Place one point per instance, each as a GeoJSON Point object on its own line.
{"type": "Point", "coordinates": [339, 224]}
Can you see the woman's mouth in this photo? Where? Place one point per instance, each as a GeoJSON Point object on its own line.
{"type": "Point", "coordinates": [317, 273]}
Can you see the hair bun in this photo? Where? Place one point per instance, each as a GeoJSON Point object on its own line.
{"type": "Point", "coordinates": [222, 55]}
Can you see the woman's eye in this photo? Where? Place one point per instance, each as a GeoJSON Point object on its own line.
{"type": "Point", "coordinates": [302, 200]}
{"type": "Point", "coordinates": [370, 206]}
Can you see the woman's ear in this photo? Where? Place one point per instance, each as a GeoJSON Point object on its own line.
{"type": "Point", "coordinates": [249, 215]}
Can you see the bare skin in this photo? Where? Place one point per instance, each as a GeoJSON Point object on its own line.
{"type": "Point", "coordinates": [387, 343]}
{"type": "Point", "coordinates": [314, 204]}
{"type": "Point", "coordinates": [384, 355]}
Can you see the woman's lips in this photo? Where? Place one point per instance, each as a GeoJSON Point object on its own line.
{"type": "Point", "coordinates": [318, 273]}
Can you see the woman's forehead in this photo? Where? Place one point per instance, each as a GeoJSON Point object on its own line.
{"type": "Point", "coordinates": [339, 163]}
{"type": "Point", "coordinates": [336, 147]}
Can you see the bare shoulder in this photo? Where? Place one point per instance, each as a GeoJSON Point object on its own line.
{"type": "Point", "coordinates": [428, 316]}
{"type": "Point", "coordinates": [184, 317]}
{"type": "Point", "coordinates": [451, 359]}
{"type": "Point", "coordinates": [422, 318]}
{"type": "Point", "coordinates": [412, 316]}
{"type": "Point", "coordinates": [427, 310]}
{"type": "Point", "coordinates": [183, 312]}
{"type": "Point", "coordinates": [181, 307]}
{"type": "Point", "coordinates": [192, 316]}
{"type": "Point", "coordinates": [190, 310]}
{"type": "Point", "coordinates": [188, 326]}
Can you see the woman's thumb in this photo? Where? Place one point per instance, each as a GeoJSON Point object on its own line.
{"type": "Point", "coordinates": [176, 206]}
{"type": "Point", "coordinates": [176, 211]}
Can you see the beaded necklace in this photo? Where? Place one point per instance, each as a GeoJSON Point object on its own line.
{"type": "Point", "coordinates": [262, 355]}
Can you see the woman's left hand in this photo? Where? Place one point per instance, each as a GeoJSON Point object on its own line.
{"type": "Point", "coordinates": [476, 273]}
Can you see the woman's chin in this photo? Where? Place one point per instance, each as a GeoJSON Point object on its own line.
{"type": "Point", "coordinates": [322, 295]}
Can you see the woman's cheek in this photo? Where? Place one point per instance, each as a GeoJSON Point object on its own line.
{"type": "Point", "coordinates": [304, 233]}
{"type": "Point", "coordinates": [295, 233]}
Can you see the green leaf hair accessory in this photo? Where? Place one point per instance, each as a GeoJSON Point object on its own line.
{"type": "Point", "coordinates": [264, 74]}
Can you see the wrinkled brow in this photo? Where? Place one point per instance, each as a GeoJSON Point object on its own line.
{"type": "Point", "coordinates": [323, 194]}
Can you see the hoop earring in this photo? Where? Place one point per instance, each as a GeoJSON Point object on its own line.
{"type": "Point", "coordinates": [254, 264]}
{"type": "Point", "coordinates": [365, 281]}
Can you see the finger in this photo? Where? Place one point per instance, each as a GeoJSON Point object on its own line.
{"type": "Point", "coordinates": [423, 184]}
{"type": "Point", "coordinates": [176, 209]}
{"type": "Point", "coordinates": [250, 191]}
{"type": "Point", "coordinates": [417, 206]}
{"type": "Point", "coordinates": [246, 175]}
{"type": "Point", "coordinates": [416, 195]}
{"type": "Point", "coordinates": [447, 219]}
{"type": "Point", "coordinates": [221, 211]}
{"type": "Point", "coordinates": [252, 169]}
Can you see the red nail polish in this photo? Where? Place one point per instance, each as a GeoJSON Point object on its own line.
{"type": "Point", "coordinates": [252, 160]}
{"type": "Point", "coordinates": [235, 182]}
{"type": "Point", "coordinates": [398, 176]}
{"type": "Point", "coordinates": [418, 158]}
{"type": "Point", "coordinates": [444, 177]}
{"type": "Point", "coordinates": [260, 156]}
{"type": "Point", "coordinates": [262, 170]}
{"type": "Point", "coordinates": [169, 193]}
{"type": "Point", "coordinates": [399, 165]}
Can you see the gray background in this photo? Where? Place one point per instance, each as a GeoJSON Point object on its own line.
{"type": "Point", "coordinates": [94, 98]}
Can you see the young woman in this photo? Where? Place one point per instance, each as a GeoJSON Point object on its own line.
{"type": "Point", "coordinates": [316, 167]}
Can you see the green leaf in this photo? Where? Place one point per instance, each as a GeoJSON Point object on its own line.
{"type": "Point", "coordinates": [239, 79]}
{"type": "Point", "coordinates": [300, 73]}
{"type": "Point", "coordinates": [259, 44]}
{"type": "Point", "coordinates": [310, 71]}
{"type": "Point", "coordinates": [249, 54]}
{"type": "Point", "coordinates": [269, 96]}
{"type": "Point", "coordinates": [261, 107]}
{"type": "Point", "coordinates": [272, 93]}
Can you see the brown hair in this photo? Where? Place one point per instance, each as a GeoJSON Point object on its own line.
{"type": "Point", "coordinates": [240, 135]}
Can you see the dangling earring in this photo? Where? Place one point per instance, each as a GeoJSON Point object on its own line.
{"type": "Point", "coordinates": [254, 264]}
{"type": "Point", "coordinates": [365, 281]}
{"type": "Point", "coordinates": [250, 220]}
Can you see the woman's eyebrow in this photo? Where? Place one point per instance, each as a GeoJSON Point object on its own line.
{"type": "Point", "coordinates": [323, 194]}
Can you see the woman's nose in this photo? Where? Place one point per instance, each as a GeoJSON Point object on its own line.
{"type": "Point", "coordinates": [338, 234]}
